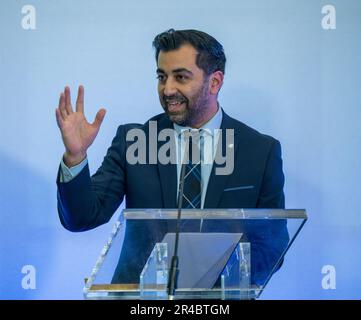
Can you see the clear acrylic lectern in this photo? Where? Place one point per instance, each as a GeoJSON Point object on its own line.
{"type": "Point", "coordinates": [223, 253]}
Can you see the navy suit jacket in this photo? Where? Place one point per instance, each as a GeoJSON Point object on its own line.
{"type": "Point", "coordinates": [86, 202]}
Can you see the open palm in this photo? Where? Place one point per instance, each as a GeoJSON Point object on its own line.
{"type": "Point", "coordinates": [77, 133]}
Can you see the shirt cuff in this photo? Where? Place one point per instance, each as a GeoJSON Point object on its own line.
{"type": "Point", "coordinates": [67, 174]}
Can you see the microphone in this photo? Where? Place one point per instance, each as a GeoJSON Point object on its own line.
{"type": "Point", "coordinates": [173, 271]}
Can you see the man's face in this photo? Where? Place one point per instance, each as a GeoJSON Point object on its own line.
{"type": "Point", "coordinates": [182, 87]}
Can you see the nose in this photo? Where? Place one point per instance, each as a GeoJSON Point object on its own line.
{"type": "Point", "coordinates": [169, 88]}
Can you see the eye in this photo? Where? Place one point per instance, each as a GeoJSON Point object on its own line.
{"type": "Point", "coordinates": [160, 77]}
{"type": "Point", "coordinates": [181, 77]}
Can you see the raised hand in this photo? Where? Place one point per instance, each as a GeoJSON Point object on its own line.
{"type": "Point", "coordinates": [77, 133]}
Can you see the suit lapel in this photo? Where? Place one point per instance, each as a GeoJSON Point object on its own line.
{"type": "Point", "coordinates": [217, 183]}
{"type": "Point", "coordinates": [167, 172]}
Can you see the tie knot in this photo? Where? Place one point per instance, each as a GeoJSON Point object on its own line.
{"type": "Point", "coordinates": [192, 135]}
{"type": "Point", "coordinates": [192, 150]}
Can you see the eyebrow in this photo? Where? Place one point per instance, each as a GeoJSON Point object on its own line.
{"type": "Point", "coordinates": [179, 70]}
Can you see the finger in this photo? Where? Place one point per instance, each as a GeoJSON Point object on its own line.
{"type": "Point", "coordinates": [80, 100]}
{"type": "Point", "coordinates": [61, 107]}
{"type": "Point", "coordinates": [59, 118]}
{"type": "Point", "coordinates": [99, 118]}
{"type": "Point", "coordinates": [68, 107]}
{"type": "Point", "coordinates": [61, 101]}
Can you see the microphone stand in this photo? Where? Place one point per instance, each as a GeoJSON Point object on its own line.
{"type": "Point", "coordinates": [173, 271]}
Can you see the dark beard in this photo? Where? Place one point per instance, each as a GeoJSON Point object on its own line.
{"type": "Point", "coordinates": [191, 116]}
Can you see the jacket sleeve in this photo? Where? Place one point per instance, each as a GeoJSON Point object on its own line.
{"type": "Point", "coordinates": [86, 202]}
{"type": "Point", "coordinates": [271, 238]}
{"type": "Point", "coordinates": [271, 192]}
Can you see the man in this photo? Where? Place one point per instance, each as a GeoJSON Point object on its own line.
{"type": "Point", "coordinates": [190, 69]}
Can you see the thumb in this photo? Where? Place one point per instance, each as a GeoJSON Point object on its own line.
{"type": "Point", "coordinates": [99, 118]}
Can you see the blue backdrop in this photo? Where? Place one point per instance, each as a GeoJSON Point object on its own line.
{"type": "Point", "coordinates": [293, 72]}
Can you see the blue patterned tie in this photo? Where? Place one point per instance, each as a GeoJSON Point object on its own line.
{"type": "Point", "coordinates": [192, 193]}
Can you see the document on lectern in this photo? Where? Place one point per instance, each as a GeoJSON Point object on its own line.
{"type": "Point", "coordinates": [202, 256]}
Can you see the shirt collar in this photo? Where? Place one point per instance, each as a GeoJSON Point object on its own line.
{"type": "Point", "coordinates": [209, 127]}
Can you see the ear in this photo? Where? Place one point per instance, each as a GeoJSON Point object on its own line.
{"type": "Point", "coordinates": [216, 81]}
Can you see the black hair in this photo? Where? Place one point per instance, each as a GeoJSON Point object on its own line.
{"type": "Point", "coordinates": [210, 56]}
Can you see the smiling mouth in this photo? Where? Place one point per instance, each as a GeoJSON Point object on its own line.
{"type": "Point", "coordinates": [175, 106]}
